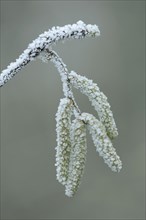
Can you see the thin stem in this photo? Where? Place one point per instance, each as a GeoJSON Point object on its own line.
{"type": "Point", "coordinates": [64, 73]}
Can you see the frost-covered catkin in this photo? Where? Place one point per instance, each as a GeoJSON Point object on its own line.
{"type": "Point", "coordinates": [77, 157]}
{"type": "Point", "coordinates": [102, 142]}
{"type": "Point", "coordinates": [98, 100]}
{"type": "Point", "coordinates": [63, 119]}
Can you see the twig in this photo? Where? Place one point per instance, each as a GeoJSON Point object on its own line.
{"type": "Point", "coordinates": [45, 41]}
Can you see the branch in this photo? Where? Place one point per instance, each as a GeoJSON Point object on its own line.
{"type": "Point", "coordinates": [46, 40]}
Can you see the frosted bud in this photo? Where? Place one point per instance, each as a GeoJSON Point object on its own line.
{"type": "Point", "coordinates": [102, 142]}
{"type": "Point", "coordinates": [63, 119]}
{"type": "Point", "coordinates": [98, 100]}
{"type": "Point", "coordinates": [77, 157]}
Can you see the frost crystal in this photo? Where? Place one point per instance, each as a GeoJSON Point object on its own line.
{"type": "Point", "coordinates": [63, 119]}
{"type": "Point", "coordinates": [98, 100]}
{"type": "Point", "coordinates": [77, 157]}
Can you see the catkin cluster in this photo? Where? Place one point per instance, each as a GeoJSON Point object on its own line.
{"type": "Point", "coordinates": [71, 134]}
{"type": "Point", "coordinates": [71, 146]}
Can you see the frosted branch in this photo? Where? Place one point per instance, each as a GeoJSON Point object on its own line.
{"type": "Point", "coordinates": [46, 40]}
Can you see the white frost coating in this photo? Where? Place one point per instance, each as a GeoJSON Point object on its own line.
{"type": "Point", "coordinates": [46, 40]}
{"type": "Point", "coordinates": [102, 142]}
{"type": "Point", "coordinates": [98, 100]}
{"type": "Point", "coordinates": [77, 157]}
{"type": "Point", "coordinates": [63, 119]}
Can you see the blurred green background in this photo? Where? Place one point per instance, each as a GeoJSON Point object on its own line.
{"type": "Point", "coordinates": [116, 61]}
